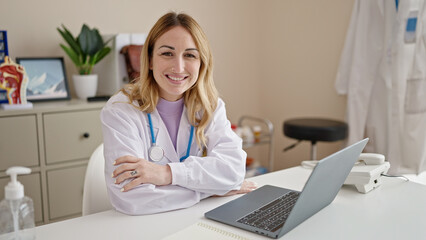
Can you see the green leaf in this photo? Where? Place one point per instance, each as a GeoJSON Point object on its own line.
{"type": "Point", "coordinates": [83, 39]}
{"type": "Point", "coordinates": [84, 57]}
{"type": "Point", "coordinates": [99, 41]}
{"type": "Point", "coordinates": [73, 55]}
{"type": "Point", "coordinates": [101, 54]}
{"type": "Point", "coordinates": [93, 58]}
{"type": "Point", "coordinates": [69, 38]}
{"type": "Point", "coordinates": [90, 40]}
{"type": "Point", "coordinates": [85, 69]}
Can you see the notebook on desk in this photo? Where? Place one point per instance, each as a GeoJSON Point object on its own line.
{"type": "Point", "coordinates": [209, 230]}
{"type": "Point", "coordinates": [274, 211]}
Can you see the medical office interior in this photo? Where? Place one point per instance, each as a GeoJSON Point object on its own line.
{"type": "Point", "coordinates": [275, 60]}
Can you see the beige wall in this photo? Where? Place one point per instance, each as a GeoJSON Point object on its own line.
{"type": "Point", "coordinates": [303, 40]}
{"type": "Point", "coordinates": [275, 59]}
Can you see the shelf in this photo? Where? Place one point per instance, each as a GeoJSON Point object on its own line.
{"type": "Point", "coordinates": [266, 137]}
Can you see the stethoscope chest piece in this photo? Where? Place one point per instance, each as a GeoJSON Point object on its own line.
{"type": "Point", "coordinates": [156, 153]}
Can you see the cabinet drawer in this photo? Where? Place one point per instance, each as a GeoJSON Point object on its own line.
{"type": "Point", "coordinates": [71, 135]}
{"type": "Point", "coordinates": [65, 191]}
{"type": "Point", "coordinates": [32, 189]}
{"type": "Point", "coordinates": [18, 142]}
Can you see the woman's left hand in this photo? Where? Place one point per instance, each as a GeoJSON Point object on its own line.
{"type": "Point", "coordinates": [246, 187]}
{"type": "Point", "coordinates": [142, 171]}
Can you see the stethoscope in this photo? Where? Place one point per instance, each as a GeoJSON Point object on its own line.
{"type": "Point", "coordinates": [156, 153]}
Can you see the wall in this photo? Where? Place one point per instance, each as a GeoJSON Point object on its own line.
{"type": "Point", "coordinates": [303, 40]}
{"type": "Point", "coordinates": [274, 59]}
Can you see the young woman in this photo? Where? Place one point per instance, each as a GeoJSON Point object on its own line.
{"type": "Point", "coordinates": [167, 140]}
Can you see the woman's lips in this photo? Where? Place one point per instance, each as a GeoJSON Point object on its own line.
{"type": "Point", "coordinates": [176, 78]}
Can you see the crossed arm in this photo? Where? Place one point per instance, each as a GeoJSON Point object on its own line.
{"type": "Point", "coordinates": [157, 188]}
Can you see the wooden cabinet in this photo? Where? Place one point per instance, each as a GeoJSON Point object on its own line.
{"type": "Point", "coordinates": [18, 141]}
{"type": "Point", "coordinates": [55, 140]}
{"type": "Point", "coordinates": [75, 137]}
{"type": "Point", "coordinates": [65, 188]}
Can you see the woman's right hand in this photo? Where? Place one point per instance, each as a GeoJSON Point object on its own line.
{"type": "Point", "coordinates": [140, 171]}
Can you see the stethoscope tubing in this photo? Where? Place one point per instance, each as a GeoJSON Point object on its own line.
{"type": "Point", "coordinates": [153, 140]}
{"type": "Point", "coordinates": [151, 128]}
{"type": "Point", "coordinates": [188, 149]}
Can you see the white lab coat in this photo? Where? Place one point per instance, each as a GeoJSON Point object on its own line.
{"type": "Point", "coordinates": [411, 97]}
{"type": "Point", "coordinates": [376, 71]}
{"type": "Point", "coordinates": [126, 132]}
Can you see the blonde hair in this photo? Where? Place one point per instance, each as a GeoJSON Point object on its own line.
{"type": "Point", "coordinates": [201, 99]}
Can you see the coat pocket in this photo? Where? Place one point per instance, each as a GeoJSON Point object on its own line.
{"type": "Point", "coordinates": [415, 96]}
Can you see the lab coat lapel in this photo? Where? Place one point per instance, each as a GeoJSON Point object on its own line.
{"type": "Point", "coordinates": [183, 135]}
{"type": "Point", "coordinates": [162, 137]}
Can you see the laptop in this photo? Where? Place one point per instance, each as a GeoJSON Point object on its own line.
{"type": "Point", "coordinates": [274, 211]}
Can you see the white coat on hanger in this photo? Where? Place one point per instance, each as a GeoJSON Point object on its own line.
{"type": "Point", "coordinates": [375, 71]}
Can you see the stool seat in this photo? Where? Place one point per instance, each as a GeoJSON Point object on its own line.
{"type": "Point", "coordinates": [315, 129]}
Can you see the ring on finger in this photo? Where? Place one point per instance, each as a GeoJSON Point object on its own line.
{"type": "Point", "coordinates": [133, 173]}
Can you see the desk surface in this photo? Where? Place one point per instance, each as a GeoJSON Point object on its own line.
{"type": "Point", "coordinates": [395, 210]}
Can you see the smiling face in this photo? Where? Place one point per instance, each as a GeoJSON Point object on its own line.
{"type": "Point", "coordinates": [175, 63]}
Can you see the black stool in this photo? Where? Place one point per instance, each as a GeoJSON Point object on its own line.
{"type": "Point", "coordinates": [315, 129]}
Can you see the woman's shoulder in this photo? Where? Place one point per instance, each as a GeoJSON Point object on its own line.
{"type": "Point", "coordinates": [120, 101]}
{"type": "Point", "coordinates": [220, 104]}
{"type": "Point", "coordinates": [118, 97]}
{"type": "Point", "coordinates": [220, 109]}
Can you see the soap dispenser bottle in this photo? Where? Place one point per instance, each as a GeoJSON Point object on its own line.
{"type": "Point", "coordinates": [16, 210]}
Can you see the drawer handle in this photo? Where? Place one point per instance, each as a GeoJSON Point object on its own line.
{"type": "Point", "coordinates": [86, 135]}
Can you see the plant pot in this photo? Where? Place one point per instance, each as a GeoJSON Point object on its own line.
{"type": "Point", "coordinates": [85, 85]}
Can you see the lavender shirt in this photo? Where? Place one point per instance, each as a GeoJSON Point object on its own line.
{"type": "Point", "coordinates": [171, 113]}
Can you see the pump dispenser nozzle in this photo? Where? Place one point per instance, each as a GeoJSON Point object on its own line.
{"type": "Point", "coordinates": [14, 189]}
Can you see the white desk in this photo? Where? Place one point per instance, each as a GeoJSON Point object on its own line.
{"type": "Point", "coordinates": [395, 210]}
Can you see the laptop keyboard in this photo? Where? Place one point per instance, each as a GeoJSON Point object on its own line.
{"type": "Point", "coordinates": [273, 215]}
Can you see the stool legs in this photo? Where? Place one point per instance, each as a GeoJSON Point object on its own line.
{"type": "Point", "coordinates": [314, 150]}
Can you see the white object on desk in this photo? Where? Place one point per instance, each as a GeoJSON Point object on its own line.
{"type": "Point", "coordinates": [372, 158]}
{"type": "Point", "coordinates": [366, 174]}
{"type": "Point", "coordinates": [367, 177]}
{"type": "Point", "coordinates": [207, 230]}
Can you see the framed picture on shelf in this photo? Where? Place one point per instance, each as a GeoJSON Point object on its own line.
{"type": "Point", "coordinates": [3, 45]}
{"type": "Point", "coordinates": [46, 78]}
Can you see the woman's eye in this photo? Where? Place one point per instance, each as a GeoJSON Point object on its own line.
{"type": "Point", "coordinates": [190, 55]}
{"type": "Point", "coordinates": [166, 54]}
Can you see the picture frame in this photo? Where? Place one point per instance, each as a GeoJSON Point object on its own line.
{"type": "Point", "coordinates": [3, 45]}
{"type": "Point", "coordinates": [47, 79]}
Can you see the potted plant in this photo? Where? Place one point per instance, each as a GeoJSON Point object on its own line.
{"type": "Point", "coordinates": [85, 50]}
